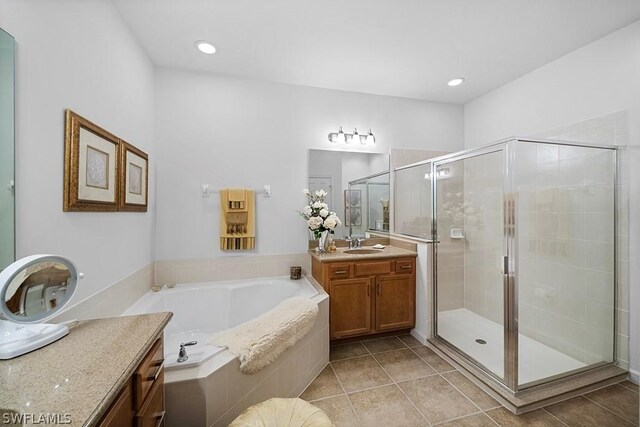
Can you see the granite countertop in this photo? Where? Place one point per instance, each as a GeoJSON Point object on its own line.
{"type": "Point", "coordinates": [77, 377]}
{"type": "Point", "coordinates": [339, 255]}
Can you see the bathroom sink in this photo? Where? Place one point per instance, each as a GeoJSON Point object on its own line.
{"type": "Point", "coordinates": [362, 251]}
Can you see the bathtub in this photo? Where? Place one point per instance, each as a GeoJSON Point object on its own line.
{"type": "Point", "coordinates": [209, 389]}
{"type": "Point", "coordinates": [200, 309]}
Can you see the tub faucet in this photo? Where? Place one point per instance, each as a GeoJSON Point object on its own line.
{"type": "Point", "coordinates": [182, 354]}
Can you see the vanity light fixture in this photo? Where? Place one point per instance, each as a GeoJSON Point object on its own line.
{"type": "Point", "coordinates": [456, 82]}
{"type": "Point", "coordinates": [205, 47]}
{"type": "Point", "coordinates": [347, 138]}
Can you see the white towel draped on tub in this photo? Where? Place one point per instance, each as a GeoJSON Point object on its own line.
{"type": "Point", "coordinates": [260, 341]}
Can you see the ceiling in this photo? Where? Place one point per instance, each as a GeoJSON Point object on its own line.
{"type": "Point", "coordinates": [404, 48]}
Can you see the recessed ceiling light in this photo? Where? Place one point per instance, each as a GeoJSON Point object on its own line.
{"type": "Point", "coordinates": [456, 82]}
{"type": "Point", "coordinates": [205, 47]}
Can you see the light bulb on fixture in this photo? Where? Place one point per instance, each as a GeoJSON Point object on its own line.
{"type": "Point", "coordinates": [456, 82]}
{"type": "Point", "coordinates": [341, 139]}
{"type": "Point", "coordinates": [370, 139]}
{"type": "Point", "coordinates": [354, 137]}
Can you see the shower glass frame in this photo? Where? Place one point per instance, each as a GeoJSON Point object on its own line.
{"type": "Point", "coordinates": [510, 263]}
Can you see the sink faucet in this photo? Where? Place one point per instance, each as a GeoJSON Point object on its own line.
{"type": "Point", "coordinates": [182, 354]}
{"type": "Point", "coordinates": [350, 241]}
{"type": "Point", "coordinates": [354, 242]}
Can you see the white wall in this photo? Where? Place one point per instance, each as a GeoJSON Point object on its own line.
{"type": "Point", "coordinates": [77, 54]}
{"type": "Point", "coordinates": [594, 81]}
{"type": "Point", "coordinates": [230, 132]}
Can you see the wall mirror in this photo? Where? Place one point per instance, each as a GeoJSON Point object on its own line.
{"type": "Point", "coordinates": [7, 200]}
{"type": "Point", "coordinates": [358, 189]}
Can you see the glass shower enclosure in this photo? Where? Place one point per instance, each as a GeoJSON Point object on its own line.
{"type": "Point", "coordinates": [524, 259]}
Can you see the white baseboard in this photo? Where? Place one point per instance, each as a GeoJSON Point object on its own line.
{"type": "Point", "coordinates": [419, 336]}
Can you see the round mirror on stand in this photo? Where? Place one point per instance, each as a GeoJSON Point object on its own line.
{"type": "Point", "coordinates": [32, 290]}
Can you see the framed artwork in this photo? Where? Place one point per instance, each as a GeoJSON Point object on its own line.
{"type": "Point", "coordinates": [352, 198]}
{"type": "Point", "coordinates": [134, 183]}
{"type": "Point", "coordinates": [91, 166]}
{"type": "Point", "coordinates": [355, 217]}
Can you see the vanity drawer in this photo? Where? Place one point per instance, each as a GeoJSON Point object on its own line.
{"type": "Point", "coordinates": [149, 373]}
{"type": "Point", "coordinates": [405, 266]}
{"type": "Point", "coordinates": [152, 412]}
{"type": "Point", "coordinates": [372, 268]}
{"type": "Point", "coordinates": [339, 271]}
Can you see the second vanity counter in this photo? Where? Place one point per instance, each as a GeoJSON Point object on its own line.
{"type": "Point", "coordinates": [76, 378]}
{"type": "Point", "coordinates": [340, 255]}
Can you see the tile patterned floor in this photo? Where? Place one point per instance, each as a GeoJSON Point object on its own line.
{"type": "Point", "coordinates": [396, 381]}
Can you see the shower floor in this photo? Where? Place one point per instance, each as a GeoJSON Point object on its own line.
{"type": "Point", "coordinates": [462, 327]}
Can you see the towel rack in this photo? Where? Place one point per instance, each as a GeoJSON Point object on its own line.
{"type": "Point", "coordinates": [207, 190]}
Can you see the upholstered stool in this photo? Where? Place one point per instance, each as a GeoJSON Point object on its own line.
{"type": "Point", "coordinates": [282, 413]}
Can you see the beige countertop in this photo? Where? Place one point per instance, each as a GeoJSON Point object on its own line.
{"type": "Point", "coordinates": [339, 255]}
{"type": "Point", "coordinates": [79, 376]}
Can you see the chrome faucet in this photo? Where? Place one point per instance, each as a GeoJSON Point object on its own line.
{"type": "Point", "coordinates": [354, 242]}
{"type": "Point", "coordinates": [182, 354]}
{"type": "Point", "coordinates": [349, 240]}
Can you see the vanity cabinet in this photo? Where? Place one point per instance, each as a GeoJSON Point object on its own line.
{"type": "Point", "coordinates": [141, 401]}
{"type": "Point", "coordinates": [368, 296]}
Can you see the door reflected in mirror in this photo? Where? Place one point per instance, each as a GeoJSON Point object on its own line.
{"type": "Point", "coordinates": [357, 186]}
{"type": "Point", "coordinates": [7, 209]}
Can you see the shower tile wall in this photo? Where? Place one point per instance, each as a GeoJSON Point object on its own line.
{"type": "Point", "coordinates": [451, 257]}
{"type": "Point", "coordinates": [611, 129]}
{"type": "Point", "coordinates": [566, 234]}
{"type": "Point", "coordinates": [483, 229]}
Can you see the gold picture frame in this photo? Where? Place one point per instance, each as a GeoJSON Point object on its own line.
{"type": "Point", "coordinates": [91, 166]}
{"type": "Point", "coordinates": [134, 179]}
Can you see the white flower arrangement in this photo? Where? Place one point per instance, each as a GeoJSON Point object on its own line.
{"type": "Point", "coordinates": [319, 217]}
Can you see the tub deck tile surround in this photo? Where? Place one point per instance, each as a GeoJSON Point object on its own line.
{"type": "Point", "coordinates": [82, 373]}
{"type": "Point", "coordinates": [441, 395]}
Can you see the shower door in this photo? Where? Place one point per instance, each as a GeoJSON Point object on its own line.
{"type": "Point", "coordinates": [472, 284]}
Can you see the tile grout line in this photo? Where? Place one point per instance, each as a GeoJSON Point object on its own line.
{"type": "Point", "coordinates": [345, 393]}
{"type": "Point", "coordinates": [465, 416]}
{"type": "Point", "coordinates": [460, 391]}
{"type": "Point", "coordinates": [430, 365]}
{"type": "Point", "coordinates": [604, 407]}
{"type": "Point", "coordinates": [553, 416]}
{"type": "Point", "coordinates": [394, 382]}
{"type": "Point", "coordinates": [628, 388]}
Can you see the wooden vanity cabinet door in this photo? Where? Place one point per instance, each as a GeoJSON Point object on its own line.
{"type": "Point", "coordinates": [120, 413]}
{"type": "Point", "coordinates": [350, 307]}
{"type": "Point", "coordinates": [395, 302]}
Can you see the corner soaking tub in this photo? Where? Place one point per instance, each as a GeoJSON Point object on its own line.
{"type": "Point", "coordinates": [209, 389]}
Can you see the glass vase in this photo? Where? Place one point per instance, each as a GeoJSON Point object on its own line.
{"type": "Point", "coordinates": [322, 241]}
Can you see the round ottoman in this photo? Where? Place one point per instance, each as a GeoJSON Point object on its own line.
{"type": "Point", "coordinates": [282, 413]}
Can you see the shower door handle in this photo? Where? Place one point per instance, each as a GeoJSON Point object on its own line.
{"type": "Point", "coordinates": [505, 266]}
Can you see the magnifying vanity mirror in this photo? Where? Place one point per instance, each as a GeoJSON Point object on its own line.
{"type": "Point", "coordinates": [32, 290]}
{"type": "Point", "coordinates": [358, 189]}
